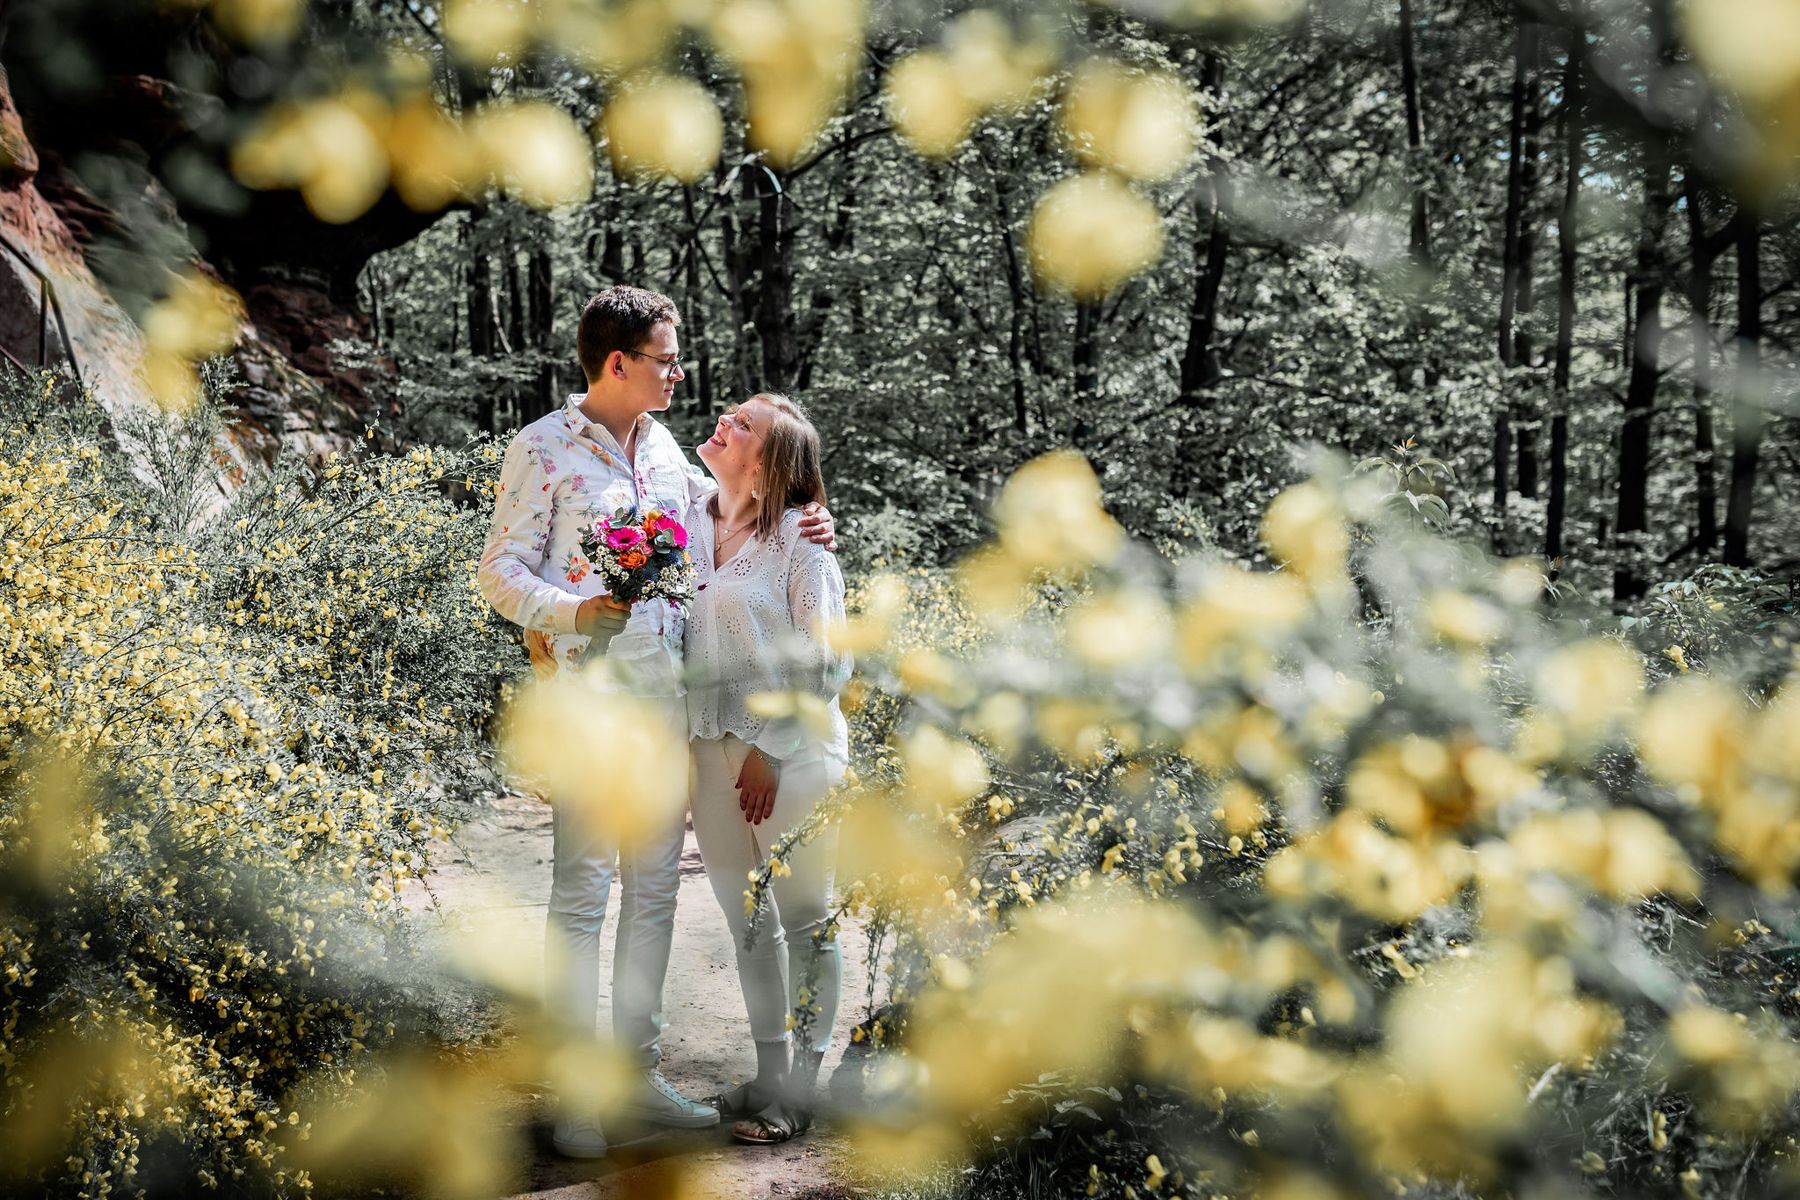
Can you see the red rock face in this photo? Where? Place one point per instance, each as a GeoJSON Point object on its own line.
{"type": "Point", "coordinates": [18, 159]}
{"type": "Point", "coordinates": [294, 390]}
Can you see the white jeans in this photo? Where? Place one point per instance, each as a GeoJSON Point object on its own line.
{"type": "Point", "coordinates": [649, 879]}
{"type": "Point", "coordinates": [783, 959]}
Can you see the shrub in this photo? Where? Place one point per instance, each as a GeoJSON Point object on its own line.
{"type": "Point", "coordinates": [1206, 886]}
{"type": "Point", "coordinates": [224, 741]}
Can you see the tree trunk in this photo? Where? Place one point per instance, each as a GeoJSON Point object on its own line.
{"type": "Point", "coordinates": [1502, 454]}
{"type": "Point", "coordinates": [1515, 195]}
{"type": "Point", "coordinates": [1628, 339]}
{"type": "Point", "coordinates": [1646, 366]}
{"type": "Point", "coordinates": [1700, 279]}
{"type": "Point", "coordinates": [1017, 288]}
{"type": "Point", "coordinates": [541, 291]}
{"type": "Point", "coordinates": [1555, 509]}
{"type": "Point", "coordinates": [516, 341]}
{"type": "Point", "coordinates": [774, 313]}
{"type": "Point", "coordinates": [696, 309]}
{"type": "Point", "coordinates": [1747, 403]}
{"type": "Point", "coordinates": [736, 250]}
{"type": "Point", "coordinates": [1415, 137]}
{"type": "Point", "coordinates": [1200, 358]}
{"type": "Point", "coordinates": [481, 327]}
{"type": "Point", "coordinates": [612, 245]}
{"type": "Point", "coordinates": [1524, 351]}
{"type": "Point", "coordinates": [1509, 271]}
{"type": "Point", "coordinates": [840, 240]}
{"type": "Point", "coordinates": [1085, 360]}
{"type": "Point", "coordinates": [1574, 130]}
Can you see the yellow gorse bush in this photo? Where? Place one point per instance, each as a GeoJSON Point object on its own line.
{"type": "Point", "coordinates": [1418, 885]}
{"type": "Point", "coordinates": [222, 749]}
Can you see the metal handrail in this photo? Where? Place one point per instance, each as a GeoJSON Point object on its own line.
{"type": "Point", "coordinates": [47, 305]}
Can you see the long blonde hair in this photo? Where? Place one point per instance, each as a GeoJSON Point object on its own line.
{"type": "Point", "coordinates": [792, 474]}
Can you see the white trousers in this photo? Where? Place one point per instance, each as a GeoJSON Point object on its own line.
{"type": "Point", "coordinates": [783, 970]}
{"type": "Point", "coordinates": [649, 879]}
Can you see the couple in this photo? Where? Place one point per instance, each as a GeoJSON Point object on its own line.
{"type": "Point", "coordinates": [767, 588]}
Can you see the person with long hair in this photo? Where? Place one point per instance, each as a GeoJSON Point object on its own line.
{"type": "Point", "coordinates": [765, 601]}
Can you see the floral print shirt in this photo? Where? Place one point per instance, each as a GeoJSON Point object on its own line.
{"type": "Point", "coordinates": [561, 473]}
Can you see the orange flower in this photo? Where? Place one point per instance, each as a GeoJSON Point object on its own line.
{"type": "Point", "coordinates": [632, 559]}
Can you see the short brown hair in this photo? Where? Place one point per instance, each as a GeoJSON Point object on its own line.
{"type": "Point", "coordinates": [793, 476]}
{"type": "Point", "coordinates": [620, 318]}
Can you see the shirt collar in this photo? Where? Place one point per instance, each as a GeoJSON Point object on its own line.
{"type": "Point", "coordinates": [577, 421]}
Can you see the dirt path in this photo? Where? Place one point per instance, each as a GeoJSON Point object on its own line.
{"type": "Point", "coordinates": [497, 880]}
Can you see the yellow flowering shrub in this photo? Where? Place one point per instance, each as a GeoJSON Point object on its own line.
{"type": "Point", "coordinates": [224, 742]}
{"type": "Point", "coordinates": [1373, 872]}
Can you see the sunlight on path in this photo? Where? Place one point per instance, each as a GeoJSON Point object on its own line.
{"type": "Point", "coordinates": [497, 879]}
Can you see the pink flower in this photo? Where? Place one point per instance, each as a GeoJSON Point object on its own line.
{"type": "Point", "coordinates": [656, 522]}
{"type": "Point", "coordinates": [625, 538]}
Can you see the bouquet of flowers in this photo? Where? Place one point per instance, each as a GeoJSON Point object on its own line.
{"type": "Point", "coordinates": [641, 557]}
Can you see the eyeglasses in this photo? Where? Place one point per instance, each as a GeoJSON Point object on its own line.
{"type": "Point", "coordinates": [671, 366]}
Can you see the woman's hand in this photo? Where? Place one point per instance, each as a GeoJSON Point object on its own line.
{"type": "Point", "coordinates": [756, 784]}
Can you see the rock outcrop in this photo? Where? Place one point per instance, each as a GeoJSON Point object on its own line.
{"type": "Point", "coordinates": [56, 312]}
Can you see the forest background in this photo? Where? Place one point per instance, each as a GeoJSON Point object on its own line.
{"type": "Point", "coordinates": [1532, 265]}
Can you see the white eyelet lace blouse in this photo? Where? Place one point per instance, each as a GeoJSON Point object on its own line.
{"type": "Point", "coordinates": [757, 625]}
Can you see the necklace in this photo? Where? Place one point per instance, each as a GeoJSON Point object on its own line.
{"type": "Point", "coordinates": [725, 535]}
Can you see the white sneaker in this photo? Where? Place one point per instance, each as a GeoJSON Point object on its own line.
{"type": "Point", "coordinates": [657, 1101]}
{"type": "Point", "coordinates": [579, 1139]}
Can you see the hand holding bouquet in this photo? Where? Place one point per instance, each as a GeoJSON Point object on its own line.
{"type": "Point", "coordinates": [641, 557]}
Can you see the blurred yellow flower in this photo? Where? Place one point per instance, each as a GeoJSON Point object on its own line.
{"type": "Point", "coordinates": [797, 59]}
{"type": "Point", "coordinates": [482, 32]}
{"type": "Point", "coordinates": [1050, 515]}
{"type": "Point", "coordinates": [942, 773]}
{"type": "Point", "coordinates": [929, 107]}
{"type": "Point", "coordinates": [333, 149]}
{"type": "Point", "coordinates": [1591, 686]}
{"type": "Point", "coordinates": [1304, 529]}
{"type": "Point", "coordinates": [1090, 233]}
{"type": "Point", "coordinates": [1234, 613]}
{"type": "Point", "coordinates": [664, 127]}
{"type": "Point", "coordinates": [1624, 854]}
{"type": "Point", "coordinates": [431, 157]}
{"type": "Point", "coordinates": [1744, 1073]}
{"type": "Point", "coordinates": [1460, 617]}
{"type": "Point", "coordinates": [1138, 123]}
{"type": "Point", "coordinates": [883, 602]}
{"type": "Point", "coordinates": [429, 1120]}
{"type": "Point", "coordinates": [255, 21]}
{"type": "Point", "coordinates": [1127, 627]}
{"type": "Point", "coordinates": [197, 319]}
{"type": "Point", "coordinates": [936, 95]}
{"type": "Point", "coordinates": [535, 151]}
{"type": "Point", "coordinates": [1694, 733]}
{"type": "Point", "coordinates": [617, 762]}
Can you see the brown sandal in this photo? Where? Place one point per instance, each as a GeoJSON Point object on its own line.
{"type": "Point", "coordinates": [780, 1122]}
{"type": "Point", "coordinates": [736, 1102]}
